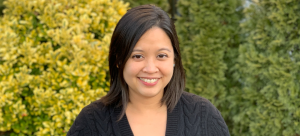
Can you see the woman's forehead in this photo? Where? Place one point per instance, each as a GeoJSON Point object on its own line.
{"type": "Point", "coordinates": [154, 38]}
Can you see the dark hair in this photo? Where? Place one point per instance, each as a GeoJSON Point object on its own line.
{"type": "Point", "coordinates": [128, 31]}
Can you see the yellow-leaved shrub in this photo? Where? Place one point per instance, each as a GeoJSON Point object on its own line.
{"type": "Point", "coordinates": [53, 61]}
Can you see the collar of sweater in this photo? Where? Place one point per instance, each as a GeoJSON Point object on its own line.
{"type": "Point", "coordinates": [173, 119]}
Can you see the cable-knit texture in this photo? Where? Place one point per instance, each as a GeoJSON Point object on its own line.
{"type": "Point", "coordinates": [192, 116]}
{"type": "Point", "coordinates": [201, 117]}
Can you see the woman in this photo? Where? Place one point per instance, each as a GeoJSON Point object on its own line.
{"type": "Point", "coordinates": [146, 96]}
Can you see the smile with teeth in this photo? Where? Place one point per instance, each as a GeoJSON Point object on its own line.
{"type": "Point", "coordinates": [148, 80]}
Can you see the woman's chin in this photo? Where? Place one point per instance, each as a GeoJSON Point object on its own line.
{"type": "Point", "coordinates": [151, 94]}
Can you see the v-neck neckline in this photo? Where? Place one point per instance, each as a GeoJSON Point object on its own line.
{"type": "Point", "coordinates": [172, 122]}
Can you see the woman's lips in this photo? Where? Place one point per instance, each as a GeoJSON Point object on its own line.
{"type": "Point", "coordinates": [149, 83]}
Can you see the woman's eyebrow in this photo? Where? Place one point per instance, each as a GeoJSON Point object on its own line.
{"type": "Point", "coordinates": [137, 50]}
{"type": "Point", "coordinates": [164, 49]}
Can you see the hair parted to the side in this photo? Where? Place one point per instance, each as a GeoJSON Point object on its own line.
{"type": "Point", "coordinates": [128, 31]}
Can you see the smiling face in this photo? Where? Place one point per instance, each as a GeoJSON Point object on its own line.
{"type": "Point", "coordinates": [150, 66]}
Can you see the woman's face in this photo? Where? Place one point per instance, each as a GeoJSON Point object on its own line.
{"type": "Point", "coordinates": [150, 66]}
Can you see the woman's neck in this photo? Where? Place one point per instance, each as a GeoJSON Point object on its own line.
{"type": "Point", "coordinates": [145, 105]}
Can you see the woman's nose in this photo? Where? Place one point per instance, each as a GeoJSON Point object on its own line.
{"type": "Point", "coordinates": [150, 67]}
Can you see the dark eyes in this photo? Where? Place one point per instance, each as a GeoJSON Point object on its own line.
{"type": "Point", "coordinates": [160, 56]}
{"type": "Point", "coordinates": [137, 56]}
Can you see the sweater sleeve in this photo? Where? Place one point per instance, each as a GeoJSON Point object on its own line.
{"type": "Point", "coordinates": [216, 125]}
{"type": "Point", "coordinates": [80, 126]}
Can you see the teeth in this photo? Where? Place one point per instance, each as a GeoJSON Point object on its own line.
{"type": "Point", "coordinates": [149, 80]}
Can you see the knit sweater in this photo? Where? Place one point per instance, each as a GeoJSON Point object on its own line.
{"type": "Point", "coordinates": [192, 116]}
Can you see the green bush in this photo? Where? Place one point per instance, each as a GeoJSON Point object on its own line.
{"type": "Point", "coordinates": [1, 7]}
{"type": "Point", "coordinates": [206, 31]}
{"type": "Point", "coordinates": [269, 70]}
{"type": "Point", "coordinates": [53, 61]}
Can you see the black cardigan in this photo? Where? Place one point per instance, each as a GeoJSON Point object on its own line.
{"type": "Point", "coordinates": [192, 116]}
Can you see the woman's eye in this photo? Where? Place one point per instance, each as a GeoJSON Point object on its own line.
{"type": "Point", "coordinates": [162, 56]}
{"type": "Point", "coordinates": [137, 56]}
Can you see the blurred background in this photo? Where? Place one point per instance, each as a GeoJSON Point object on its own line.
{"type": "Point", "coordinates": [242, 55]}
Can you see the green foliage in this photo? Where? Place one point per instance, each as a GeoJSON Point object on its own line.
{"type": "Point", "coordinates": [269, 69]}
{"type": "Point", "coordinates": [53, 61]}
{"type": "Point", "coordinates": [1, 7]}
{"type": "Point", "coordinates": [206, 31]}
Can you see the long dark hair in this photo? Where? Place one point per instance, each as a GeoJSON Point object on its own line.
{"type": "Point", "coordinates": [126, 34]}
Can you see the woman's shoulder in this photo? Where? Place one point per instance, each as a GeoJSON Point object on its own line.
{"type": "Point", "coordinates": [90, 115]}
{"type": "Point", "coordinates": [190, 98]}
{"type": "Point", "coordinates": [95, 106]}
{"type": "Point", "coordinates": [197, 107]}
{"type": "Point", "coordinates": [96, 110]}
{"type": "Point", "coordinates": [198, 104]}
